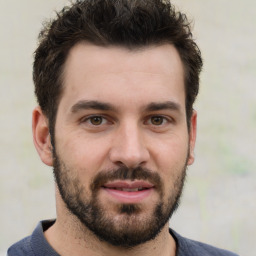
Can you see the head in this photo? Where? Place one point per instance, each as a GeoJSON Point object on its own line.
{"type": "Point", "coordinates": [116, 82]}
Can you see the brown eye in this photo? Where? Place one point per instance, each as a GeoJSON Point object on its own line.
{"type": "Point", "coordinates": [96, 120]}
{"type": "Point", "coordinates": [157, 120]}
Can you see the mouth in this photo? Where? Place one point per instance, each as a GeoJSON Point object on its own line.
{"type": "Point", "coordinates": [128, 191]}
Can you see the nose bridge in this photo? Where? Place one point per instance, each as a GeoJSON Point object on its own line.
{"type": "Point", "coordinates": [129, 146]}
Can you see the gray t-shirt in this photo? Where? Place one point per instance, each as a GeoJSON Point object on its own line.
{"type": "Point", "coordinates": [36, 245]}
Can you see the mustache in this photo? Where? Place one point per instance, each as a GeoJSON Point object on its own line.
{"type": "Point", "coordinates": [125, 173]}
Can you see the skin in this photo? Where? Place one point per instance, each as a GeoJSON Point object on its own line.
{"type": "Point", "coordinates": [128, 133]}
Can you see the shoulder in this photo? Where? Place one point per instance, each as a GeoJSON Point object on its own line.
{"type": "Point", "coordinates": [34, 245]}
{"type": "Point", "coordinates": [23, 247]}
{"type": "Point", "coordinates": [195, 248]}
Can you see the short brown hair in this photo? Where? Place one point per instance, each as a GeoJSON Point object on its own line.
{"type": "Point", "coordinates": [126, 23]}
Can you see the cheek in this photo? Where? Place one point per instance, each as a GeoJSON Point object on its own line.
{"type": "Point", "coordinates": [171, 153]}
{"type": "Point", "coordinates": [82, 153]}
{"type": "Point", "coordinates": [172, 161]}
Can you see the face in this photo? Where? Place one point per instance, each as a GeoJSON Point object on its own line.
{"type": "Point", "coordinates": [121, 140]}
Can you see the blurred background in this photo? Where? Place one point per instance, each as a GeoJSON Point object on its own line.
{"type": "Point", "coordinates": [219, 201]}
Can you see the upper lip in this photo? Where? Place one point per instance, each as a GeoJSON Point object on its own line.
{"type": "Point", "coordinates": [129, 184]}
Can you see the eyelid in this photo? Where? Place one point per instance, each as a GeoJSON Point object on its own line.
{"type": "Point", "coordinates": [167, 119]}
{"type": "Point", "coordinates": [86, 119]}
{"type": "Point", "coordinates": [110, 120]}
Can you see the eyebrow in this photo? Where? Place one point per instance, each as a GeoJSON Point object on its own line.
{"type": "Point", "coordinates": [155, 106]}
{"type": "Point", "coordinates": [88, 104]}
{"type": "Point", "coordinates": [93, 104]}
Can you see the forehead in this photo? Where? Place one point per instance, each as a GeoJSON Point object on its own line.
{"type": "Point", "coordinates": [106, 73]}
{"type": "Point", "coordinates": [88, 57]}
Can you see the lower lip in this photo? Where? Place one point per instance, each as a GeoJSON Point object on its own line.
{"type": "Point", "coordinates": [129, 197]}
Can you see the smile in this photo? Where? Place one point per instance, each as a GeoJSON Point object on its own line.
{"type": "Point", "coordinates": [128, 191]}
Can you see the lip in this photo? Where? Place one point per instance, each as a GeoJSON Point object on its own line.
{"type": "Point", "coordinates": [128, 197]}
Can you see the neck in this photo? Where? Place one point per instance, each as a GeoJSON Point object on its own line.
{"type": "Point", "coordinates": [68, 236]}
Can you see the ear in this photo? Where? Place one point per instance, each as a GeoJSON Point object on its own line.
{"type": "Point", "coordinates": [192, 137]}
{"type": "Point", "coordinates": [41, 136]}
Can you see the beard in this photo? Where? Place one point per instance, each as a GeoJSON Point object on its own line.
{"type": "Point", "coordinates": [128, 226]}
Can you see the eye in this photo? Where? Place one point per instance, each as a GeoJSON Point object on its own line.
{"type": "Point", "coordinates": [94, 120]}
{"type": "Point", "coordinates": [157, 120]}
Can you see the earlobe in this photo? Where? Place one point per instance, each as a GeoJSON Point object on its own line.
{"type": "Point", "coordinates": [192, 137]}
{"type": "Point", "coordinates": [41, 136]}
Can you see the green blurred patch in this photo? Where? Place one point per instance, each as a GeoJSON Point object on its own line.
{"type": "Point", "coordinates": [232, 162]}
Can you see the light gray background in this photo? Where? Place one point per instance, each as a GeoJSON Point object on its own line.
{"type": "Point", "coordinates": [218, 205]}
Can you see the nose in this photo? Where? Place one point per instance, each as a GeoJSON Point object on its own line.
{"type": "Point", "coordinates": [128, 147]}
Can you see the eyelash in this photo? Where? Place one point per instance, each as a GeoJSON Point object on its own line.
{"type": "Point", "coordinates": [148, 120]}
{"type": "Point", "coordinates": [89, 119]}
{"type": "Point", "coordinates": [164, 120]}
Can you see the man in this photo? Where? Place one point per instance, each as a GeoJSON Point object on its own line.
{"type": "Point", "coordinates": [115, 81]}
